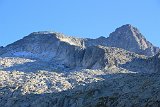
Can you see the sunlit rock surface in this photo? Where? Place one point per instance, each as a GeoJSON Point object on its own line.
{"type": "Point", "coordinates": [49, 69]}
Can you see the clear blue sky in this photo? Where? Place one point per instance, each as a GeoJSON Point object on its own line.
{"type": "Point", "coordinates": [80, 18]}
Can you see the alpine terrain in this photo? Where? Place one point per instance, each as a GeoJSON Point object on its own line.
{"type": "Point", "coordinates": [50, 69]}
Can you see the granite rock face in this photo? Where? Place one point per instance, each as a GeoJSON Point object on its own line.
{"type": "Point", "coordinates": [93, 57]}
{"type": "Point", "coordinates": [103, 72]}
{"type": "Point", "coordinates": [126, 37]}
{"type": "Point", "coordinates": [45, 45]}
{"type": "Point", "coordinates": [130, 38]}
{"type": "Point", "coordinates": [99, 57]}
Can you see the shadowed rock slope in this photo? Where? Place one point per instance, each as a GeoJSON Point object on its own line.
{"type": "Point", "coordinates": [151, 64]}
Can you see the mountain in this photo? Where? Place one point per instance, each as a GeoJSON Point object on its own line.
{"type": "Point", "coordinates": [126, 37]}
{"type": "Point", "coordinates": [49, 69]}
{"type": "Point", "coordinates": [130, 38]}
{"type": "Point", "coordinates": [69, 53]}
{"type": "Point", "coordinates": [42, 43]}
{"type": "Point", "coordinates": [61, 52]}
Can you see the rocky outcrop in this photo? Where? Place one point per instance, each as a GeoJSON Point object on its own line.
{"type": "Point", "coordinates": [127, 90]}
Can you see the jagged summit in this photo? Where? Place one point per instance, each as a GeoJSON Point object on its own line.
{"type": "Point", "coordinates": [130, 38]}
{"type": "Point", "coordinates": [126, 37]}
{"type": "Point", "coordinates": [126, 26]}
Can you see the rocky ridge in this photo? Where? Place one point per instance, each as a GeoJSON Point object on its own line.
{"type": "Point", "coordinates": [101, 72]}
{"type": "Point", "coordinates": [69, 53]}
{"type": "Point", "coordinates": [126, 37]}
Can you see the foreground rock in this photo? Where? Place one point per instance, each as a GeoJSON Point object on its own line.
{"type": "Point", "coordinates": [127, 90]}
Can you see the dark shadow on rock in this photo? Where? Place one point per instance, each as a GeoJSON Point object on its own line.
{"type": "Point", "coordinates": [145, 65]}
{"type": "Point", "coordinates": [140, 65]}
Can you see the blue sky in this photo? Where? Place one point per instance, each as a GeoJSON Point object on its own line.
{"type": "Point", "coordinates": [80, 18]}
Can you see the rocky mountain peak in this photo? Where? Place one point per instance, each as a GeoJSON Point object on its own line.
{"type": "Point", "coordinates": [126, 26]}
{"type": "Point", "coordinates": [129, 35]}
{"type": "Point", "coordinates": [130, 38]}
